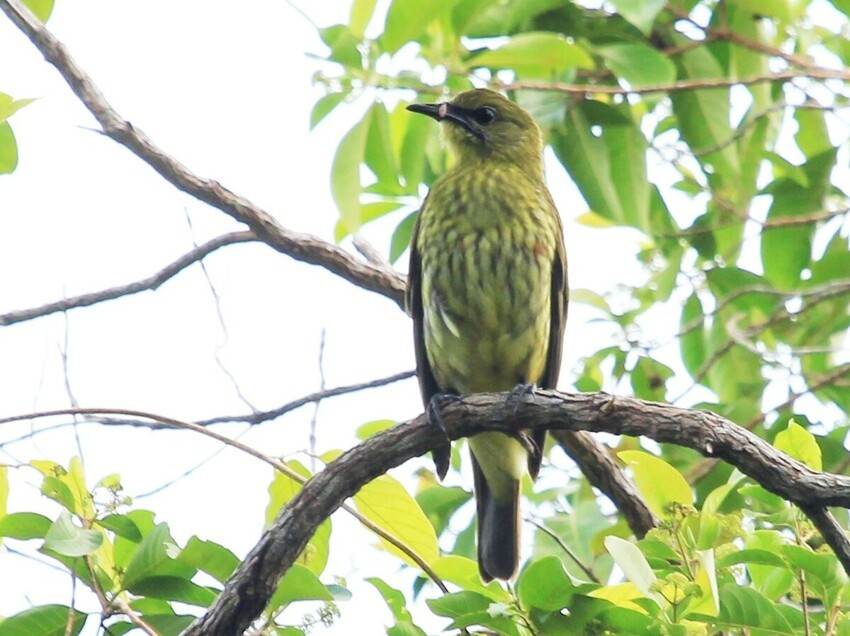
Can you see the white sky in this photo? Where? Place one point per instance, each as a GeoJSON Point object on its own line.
{"type": "Point", "coordinates": [226, 88]}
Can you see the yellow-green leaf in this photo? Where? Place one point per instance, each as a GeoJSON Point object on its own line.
{"type": "Point", "coordinates": [9, 106]}
{"type": "Point", "coordinates": [622, 595]}
{"type": "Point", "coordinates": [658, 482]}
{"type": "Point", "coordinates": [797, 442]}
{"type": "Point", "coordinates": [41, 8]}
{"type": "Point", "coordinates": [345, 174]}
{"type": "Point", "coordinates": [8, 149]}
{"type": "Point", "coordinates": [386, 503]}
{"type": "Point", "coordinates": [592, 219]}
{"type": "Point", "coordinates": [282, 489]}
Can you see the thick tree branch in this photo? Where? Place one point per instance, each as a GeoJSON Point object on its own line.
{"type": "Point", "coordinates": [249, 589]}
{"type": "Point", "coordinates": [150, 283]}
{"type": "Point", "coordinates": [303, 247]}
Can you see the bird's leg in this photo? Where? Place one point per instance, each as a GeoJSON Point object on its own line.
{"type": "Point", "coordinates": [442, 453]}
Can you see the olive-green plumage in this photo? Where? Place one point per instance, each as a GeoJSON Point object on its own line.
{"type": "Point", "coordinates": [488, 294]}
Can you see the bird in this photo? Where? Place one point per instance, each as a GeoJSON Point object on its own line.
{"type": "Point", "coordinates": [488, 293]}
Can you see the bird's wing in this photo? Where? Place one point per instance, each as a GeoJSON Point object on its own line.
{"type": "Point", "coordinates": [560, 293]}
{"type": "Point", "coordinates": [413, 300]}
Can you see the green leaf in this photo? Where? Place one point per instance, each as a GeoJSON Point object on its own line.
{"type": "Point", "coordinates": [439, 503]}
{"type": "Point", "coordinates": [408, 19]}
{"type": "Point", "coordinates": [343, 45]}
{"type": "Point", "coordinates": [703, 117]}
{"type": "Point", "coordinates": [797, 442]}
{"type": "Point", "coordinates": [398, 606]}
{"type": "Point", "coordinates": [386, 503]}
{"type": "Point", "coordinates": [641, 13]}
{"type": "Point", "coordinates": [379, 154]}
{"type": "Point", "coordinates": [469, 608]}
{"type": "Point", "coordinates": [44, 620]}
{"type": "Point", "coordinates": [298, 584]}
{"type": "Point", "coordinates": [545, 585]}
{"type": "Point", "coordinates": [121, 525]}
{"type": "Point", "coordinates": [658, 482]}
{"type": "Point", "coordinates": [360, 16]}
{"type": "Point", "coordinates": [345, 174]}
{"type": "Point", "coordinates": [778, 9]}
{"type": "Point", "coordinates": [743, 608]}
{"type": "Point", "coordinates": [324, 106]}
{"type": "Point", "coordinates": [174, 588]}
{"type": "Point", "coordinates": [638, 64]}
{"type": "Point", "coordinates": [281, 491]}
{"type": "Point", "coordinates": [210, 557]}
{"type": "Point", "coordinates": [541, 55]}
{"type": "Point", "coordinates": [24, 525]}
{"type": "Point", "coordinates": [41, 8]}
{"type": "Point", "coordinates": [787, 250]}
{"type": "Point", "coordinates": [771, 581]}
{"type": "Point", "coordinates": [9, 106]}
{"type": "Point", "coordinates": [824, 575]}
{"type": "Point", "coordinates": [65, 538]}
{"type": "Point", "coordinates": [634, 565]}
{"type": "Point", "coordinates": [401, 236]}
{"type": "Point", "coordinates": [692, 340]}
{"type": "Point", "coordinates": [8, 149]}
{"type": "Point", "coordinates": [156, 556]}
{"type": "Point", "coordinates": [752, 555]}
{"type": "Point", "coordinates": [604, 152]}
{"type": "Point", "coordinates": [649, 379]}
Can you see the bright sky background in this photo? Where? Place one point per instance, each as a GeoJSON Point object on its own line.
{"type": "Point", "coordinates": [226, 88]}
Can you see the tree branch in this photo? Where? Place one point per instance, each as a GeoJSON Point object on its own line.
{"type": "Point", "coordinates": [149, 283]}
{"type": "Point", "coordinates": [680, 86]}
{"type": "Point", "coordinates": [302, 247]}
{"type": "Point", "coordinates": [249, 589]}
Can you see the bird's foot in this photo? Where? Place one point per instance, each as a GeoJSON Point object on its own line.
{"type": "Point", "coordinates": [442, 453]}
{"type": "Point", "coordinates": [519, 394]}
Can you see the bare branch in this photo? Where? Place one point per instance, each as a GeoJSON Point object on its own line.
{"type": "Point", "coordinates": [680, 86]}
{"type": "Point", "coordinates": [303, 247]}
{"type": "Point", "coordinates": [149, 283]}
{"type": "Point", "coordinates": [264, 416]}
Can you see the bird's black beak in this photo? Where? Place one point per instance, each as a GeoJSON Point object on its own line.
{"type": "Point", "coordinates": [444, 111]}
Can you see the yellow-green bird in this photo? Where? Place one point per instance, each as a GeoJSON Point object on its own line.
{"type": "Point", "coordinates": [487, 291]}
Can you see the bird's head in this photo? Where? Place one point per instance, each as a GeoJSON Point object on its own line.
{"type": "Point", "coordinates": [483, 124]}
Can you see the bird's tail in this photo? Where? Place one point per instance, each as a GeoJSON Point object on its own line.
{"type": "Point", "coordinates": [498, 528]}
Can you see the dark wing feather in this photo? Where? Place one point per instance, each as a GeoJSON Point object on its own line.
{"type": "Point", "coordinates": [560, 294]}
{"type": "Point", "coordinates": [427, 383]}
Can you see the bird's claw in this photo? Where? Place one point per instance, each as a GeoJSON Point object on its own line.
{"type": "Point", "coordinates": [442, 453]}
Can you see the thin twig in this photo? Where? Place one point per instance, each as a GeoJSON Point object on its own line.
{"type": "Point", "coordinates": [588, 572]}
{"type": "Point", "coordinates": [149, 283]}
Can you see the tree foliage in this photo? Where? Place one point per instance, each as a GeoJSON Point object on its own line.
{"type": "Point", "coordinates": [719, 132]}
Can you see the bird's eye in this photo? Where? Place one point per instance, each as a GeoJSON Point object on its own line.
{"type": "Point", "coordinates": [484, 115]}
